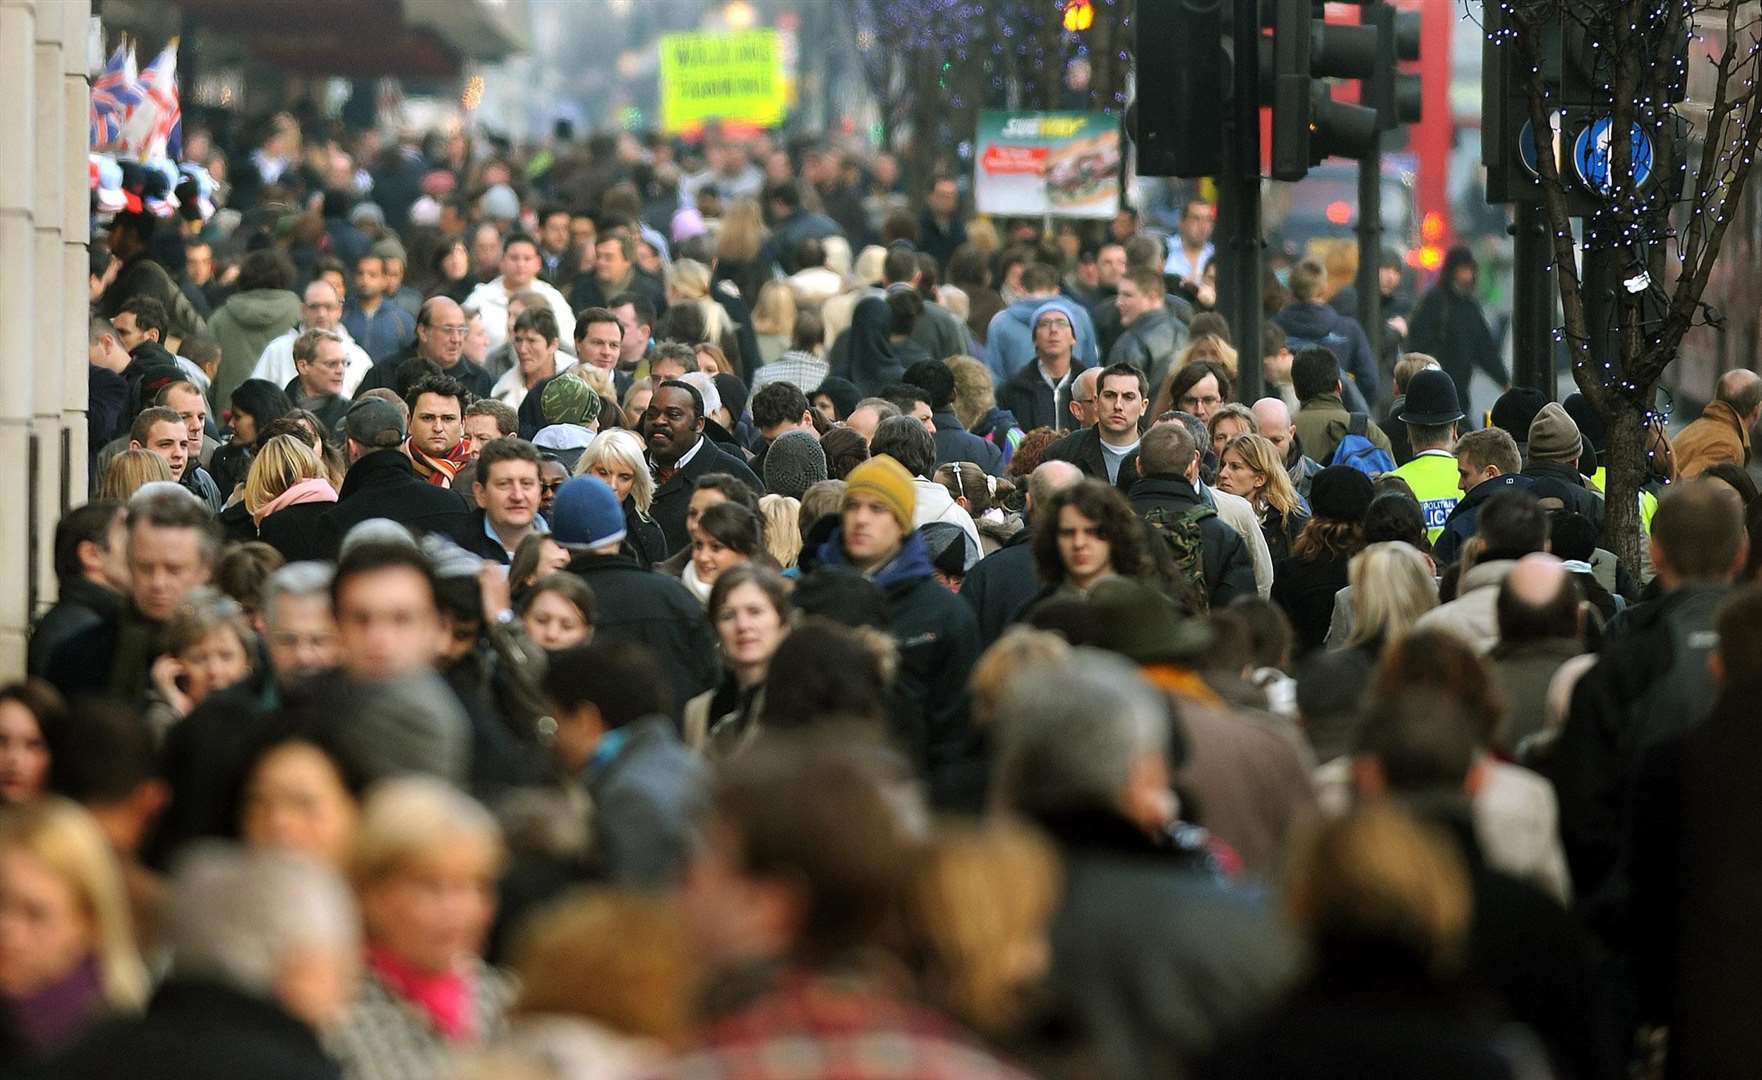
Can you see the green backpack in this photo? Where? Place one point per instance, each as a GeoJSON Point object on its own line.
{"type": "Point", "coordinates": [1178, 546]}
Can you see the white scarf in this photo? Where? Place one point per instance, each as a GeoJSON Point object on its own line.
{"type": "Point", "coordinates": [699, 588]}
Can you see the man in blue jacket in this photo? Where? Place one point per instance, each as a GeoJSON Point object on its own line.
{"type": "Point", "coordinates": [1309, 322]}
{"type": "Point", "coordinates": [1009, 342]}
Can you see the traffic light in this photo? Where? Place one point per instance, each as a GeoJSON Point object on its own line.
{"type": "Point", "coordinates": [1308, 124]}
{"type": "Point", "coordinates": [1177, 120]}
{"type": "Point", "coordinates": [1395, 94]}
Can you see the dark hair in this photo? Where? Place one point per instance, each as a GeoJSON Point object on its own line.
{"type": "Point", "coordinates": [1038, 277]}
{"type": "Point", "coordinates": [1125, 370]}
{"type": "Point", "coordinates": [128, 759]}
{"type": "Point", "coordinates": [732, 487]}
{"type": "Point", "coordinates": [735, 527]}
{"type": "Point", "coordinates": [1269, 630]}
{"type": "Point", "coordinates": [1423, 742]}
{"type": "Point", "coordinates": [1571, 535]}
{"type": "Point", "coordinates": [1193, 373]}
{"type": "Point", "coordinates": [373, 556]}
{"type": "Point", "coordinates": [765, 579]}
{"type": "Point", "coordinates": [903, 308]}
{"type": "Point", "coordinates": [969, 268]}
{"type": "Point", "coordinates": [899, 265]}
{"type": "Point", "coordinates": [519, 238]}
{"type": "Point", "coordinates": [1512, 524]}
{"type": "Point", "coordinates": [832, 670]}
{"type": "Point", "coordinates": [243, 570]}
{"type": "Point", "coordinates": [570, 587]}
{"type": "Point", "coordinates": [903, 396]}
{"type": "Point", "coordinates": [149, 314]}
{"type": "Point", "coordinates": [1735, 475]}
{"type": "Point", "coordinates": [1210, 324]}
{"type": "Point", "coordinates": [845, 449]}
{"type": "Point", "coordinates": [640, 305]}
{"type": "Point", "coordinates": [1314, 372]}
{"type": "Point", "coordinates": [623, 680]}
{"type": "Point", "coordinates": [177, 510]}
{"type": "Point", "coordinates": [145, 420]}
{"type": "Point", "coordinates": [905, 440]}
{"type": "Point", "coordinates": [586, 317]}
{"type": "Point", "coordinates": [440, 386]}
{"type": "Point", "coordinates": [42, 701]}
{"type": "Point", "coordinates": [1394, 516]}
{"type": "Point", "coordinates": [809, 253]}
{"type": "Point", "coordinates": [936, 381]}
{"type": "Point", "coordinates": [266, 268]}
{"type": "Point", "coordinates": [508, 448]}
{"type": "Point", "coordinates": [262, 400]}
{"type": "Point", "coordinates": [90, 523]}
{"type": "Point", "coordinates": [809, 332]}
{"type": "Point", "coordinates": [539, 320]}
{"type": "Point", "coordinates": [1699, 528]}
{"type": "Point", "coordinates": [778, 403]}
{"type": "Point", "coordinates": [1272, 339]}
{"type": "Point", "coordinates": [1114, 518]}
{"type": "Point", "coordinates": [785, 192]}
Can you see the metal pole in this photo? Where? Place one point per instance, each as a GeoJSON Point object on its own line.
{"type": "Point", "coordinates": [1532, 308]}
{"type": "Point", "coordinates": [1239, 255]}
{"type": "Point", "coordinates": [1370, 249]}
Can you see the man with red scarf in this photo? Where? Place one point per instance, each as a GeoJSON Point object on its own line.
{"type": "Point", "coordinates": [437, 445]}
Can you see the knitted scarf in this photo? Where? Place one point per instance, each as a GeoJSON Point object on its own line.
{"type": "Point", "coordinates": [438, 471]}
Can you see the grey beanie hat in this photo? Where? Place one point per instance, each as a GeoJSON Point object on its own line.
{"type": "Point", "coordinates": [794, 463]}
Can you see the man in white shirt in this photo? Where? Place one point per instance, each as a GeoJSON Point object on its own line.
{"type": "Point", "coordinates": [521, 264]}
{"type": "Point", "coordinates": [321, 309]}
{"type": "Point", "coordinates": [1191, 248]}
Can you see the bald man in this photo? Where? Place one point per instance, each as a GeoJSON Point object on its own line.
{"type": "Point", "coordinates": [1722, 434]}
{"type": "Point", "coordinates": [1003, 582]}
{"type": "Point", "coordinates": [440, 340]}
{"type": "Point", "coordinates": [1541, 626]}
{"type": "Point", "coordinates": [321, 308]}
{"type": "Point", "coordinates": [1272, 417]}
{"type": "Point", "coordinates": [1084, 408]}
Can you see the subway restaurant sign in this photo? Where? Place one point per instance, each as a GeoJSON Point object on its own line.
{"type": "Point", "coordinates": [1063, 164]}
{"type": "Point", "coordinates": [735, 78]}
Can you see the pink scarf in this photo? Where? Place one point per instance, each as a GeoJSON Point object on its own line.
{"type": "Point", "coordinates": [445, 999]}
{"type": "Point", "coordinates": [315, 490]}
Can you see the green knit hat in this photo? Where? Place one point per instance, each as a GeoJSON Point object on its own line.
{"type": "Point", "coordinates": [569, 400]}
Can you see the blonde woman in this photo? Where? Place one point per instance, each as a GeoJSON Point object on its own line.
{"type": "Point", "coordinates": [1228, 422]}
{"type": "Point", "coordinates": [690, 284]}
{"type": "Point", "coordinates": [774, 320]}
{"type": "Point", "coordinates": [1250, 466]}
{"type": "Point", "coordinates": [424, 868]}
{"type": "Point", "coordinates": [782, 515]}
{"type": "Point", "coordinates": [130, 469]}
{"type": "Point", "coordinates": [615, 456]}
{"type": "Point", "coordinates": [740, 259]}
{"type": "Point", "coordinates": [288, 492]}
{"type": "Point", "coordinates": [67, 947]}
{"type": "Point", "coordinates": [1391, 587]}
{"type": "Point", "coordinates": [975, 406]}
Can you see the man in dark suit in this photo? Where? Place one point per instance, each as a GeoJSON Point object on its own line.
{"type": "Point", "coordinates": [673, 426]}
{"type": "Point", "coordinates": [382, 483]}
{"type": "Point", "coordinates": [953, 441]}
{"type": "Point", "coordinates": [1109, 450]}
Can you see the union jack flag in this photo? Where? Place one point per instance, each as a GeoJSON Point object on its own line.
{"type": "Point", "coordinates": [115, 93]}
{"type": "Point", "coordinates": [155, 126]}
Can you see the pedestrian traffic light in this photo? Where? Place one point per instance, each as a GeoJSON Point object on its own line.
{"type": "Point", "coordinates": [1177, 119]}
{"type": "Point", "coordinates": [1308, 124]}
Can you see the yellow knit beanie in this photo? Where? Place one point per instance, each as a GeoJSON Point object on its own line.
{"type": "Point", "coordinates": [887, 480]}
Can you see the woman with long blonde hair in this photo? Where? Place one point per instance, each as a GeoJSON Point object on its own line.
{"type": "Point", "coordinates": [740, 251]}
{"type": "Point", "coordinates": [1250, 466]}
{"type": "Point", "coordinates": [67, 942]}
{"type": "Point", "coordinates": [774, 320]}
{"type": "Point", "coordinates": [691, 284]}
{"type": "Point", "coordinates": [287, 491]}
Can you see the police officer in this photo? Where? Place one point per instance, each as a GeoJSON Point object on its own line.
{"type": "Point", "coordinates": [1431, 414]}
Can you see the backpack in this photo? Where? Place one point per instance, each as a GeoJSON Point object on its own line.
{"type": "Point", "coordinates": [1178, 545]}
{"type": "Point", "coordinates": [1356, 449]}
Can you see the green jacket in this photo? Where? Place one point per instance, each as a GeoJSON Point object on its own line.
{"type": "Point", "coordinates": [1322, 423]}
{"type": "Point", "coordinates": [243, 327]}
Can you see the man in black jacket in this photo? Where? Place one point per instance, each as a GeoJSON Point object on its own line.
{"type": "Point", "coordinates": [1003, 582]}
{"type": "Point", "coordinates": [679, 453]}
{"type": "Point", "coordinates": [635, 605]}
{"type": "Point", "coordinates": [263, 952]}
{"type": "Point", "coordinates": [91, 574]}
{"type": "Point", "coordinates": [953, 441]}
{"type": "Point", "coordinates": [937, 634]}
{"type": "Point", "coordinates": [1651, 681]}
{"type": "Point", "coordinates": [1555, 447]}
{"type": "Point", "coordinates": [1168, 466]}
{"type": "Point", "coordinates": [507, 492]}
{"type": "Point", "coordinates": [439, 348]}
{"type": "Point", "coordinates": [130, 238]}
{"type": "Point", "coordinates": [1039, 394]}
{"type": "Point", "coordinates": [381, 482]}
{"type": "Point", "coordinates": [1109, 451]}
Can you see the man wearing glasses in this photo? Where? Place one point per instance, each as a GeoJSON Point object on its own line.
{"type": "Point", "coordinates": [320, 363]}
{"type": "Point", "coordinates": [321, 309]}
{"type": "Point", "coordinates": [440, 341]}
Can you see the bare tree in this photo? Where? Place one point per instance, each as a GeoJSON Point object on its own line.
{"type": "Point", "coordinates": [1642, 65]}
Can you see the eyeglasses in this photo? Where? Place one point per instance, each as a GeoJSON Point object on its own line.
{"type": "Point", "coordinates": [454, 331]}
{"type": "Point", "coordinates": [550, 485]}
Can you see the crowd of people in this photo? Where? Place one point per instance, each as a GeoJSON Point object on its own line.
{"type": "Point", "coordinates": [683, 609]}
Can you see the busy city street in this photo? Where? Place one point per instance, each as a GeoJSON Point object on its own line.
{"type": "Point", "coordinates": [880, 539]}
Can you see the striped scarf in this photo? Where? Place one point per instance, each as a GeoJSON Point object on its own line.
{"type": "Point", "coordinates": [438, 471]}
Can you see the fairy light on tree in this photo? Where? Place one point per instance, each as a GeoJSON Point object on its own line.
{"type": "Point", "coordinates": [1666, 248]}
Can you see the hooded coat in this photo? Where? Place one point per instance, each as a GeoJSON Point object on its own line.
{"type": "Point", "coordinates": [243, 327]}
{"type": "Point", "coordinates": [1450, 326]}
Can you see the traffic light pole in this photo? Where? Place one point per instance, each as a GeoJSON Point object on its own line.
{"type": "Point", "coordinates": [1532, 308]}
{"type": "Point", "coordinates": [1239, 218]}
{"type": "Point", "coordinates": [1370, 248]}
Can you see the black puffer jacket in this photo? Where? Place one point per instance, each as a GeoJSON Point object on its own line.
{"type": "Point", "coordinates": [646, 608]}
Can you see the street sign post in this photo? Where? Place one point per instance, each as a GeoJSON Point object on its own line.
{"type": "Point", "coordinates": [1593, 156]}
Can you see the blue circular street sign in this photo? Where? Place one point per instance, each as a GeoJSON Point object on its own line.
{"type": "Point", "coordinates": [1593, 156]}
